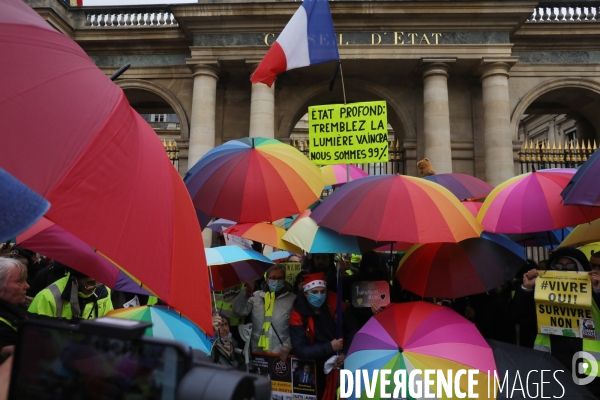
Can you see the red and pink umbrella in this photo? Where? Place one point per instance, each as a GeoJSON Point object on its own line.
{"type": "Point", "coordinates": [49, 239]}
{"type": "Point", "coordinates": [70, 135]}
{"type": "Point", "coordinates": [532, 203]}
{"type": "Point", "coordinates": [472, 206]}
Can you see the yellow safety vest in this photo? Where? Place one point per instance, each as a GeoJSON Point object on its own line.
{"type": "Point", "coordinates": [542, 342]}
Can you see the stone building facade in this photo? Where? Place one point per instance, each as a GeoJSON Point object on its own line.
{"type": "Point", "coordinates": [461, 78]}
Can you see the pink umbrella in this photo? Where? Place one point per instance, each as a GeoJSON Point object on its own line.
{"type": "Point", "coordinates": [472, 206]}
{"type": "Point", "coordinates": [338, 174]}
{"type": "Point", "coordinates": [49, 239]}
{"type": "Point", "coordinates": [532, 203]}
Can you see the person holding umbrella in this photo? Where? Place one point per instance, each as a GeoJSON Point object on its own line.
{"type": "Point", "coordinates": [270, 308]}
{"type": "Point", "coordinates": [561, 347]}
{"type": "Point", "coordinates": [313, 327]}
{"type": "Point", "coordinates": [13, 289]}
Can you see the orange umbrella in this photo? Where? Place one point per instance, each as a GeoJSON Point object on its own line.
{"type": "Point", "coordinates": [263, 233]}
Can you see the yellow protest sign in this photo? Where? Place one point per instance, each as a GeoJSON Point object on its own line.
{"type": "Point", "coordinates": [563, 300]}
{"type": "Point", "coordinates": [353, 133]}
{"type": "Point", "coordinates": [292, 269]}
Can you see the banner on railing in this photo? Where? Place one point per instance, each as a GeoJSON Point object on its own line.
{"type": "Point", "coordinates": [355, 133]}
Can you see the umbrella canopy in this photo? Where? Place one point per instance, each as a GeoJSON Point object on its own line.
{"type": "Point", "coordinates": [452, 270]}
{"type": "Point", "coordinates": [337, 174]}
{"type": "Point", "coordinates": [420, 335]}
{"type": "Point", "coordinates": [590, 248]}
{"type": "Point", "coordinates": [166, 324]}
{"type": "Point", "coordinates": [20, 206]}
{"type": "Point", "coordinates": [548, 239]}
{"type": "Point", "coordinates": [220, 224]}
{"type": "Point", "coordinates": [49, 239]}
{"type": "Point", "coordinates": [306, 234]}
{"type": "Point", "coordinates": [70, 135]}
{"type": "Point", "coordinates": [232, 266]}
{"type": "Point", "coordinates": [461, 185]}
{"type": "Point", "coordinates": [583, 234]}
{"type": "Point", "coordinates": [280, 255]}
{"type": "Point", "coordinates": [583, 188]}
{"type": "Point", "coordinates": [394, 208]}
{"type": "Point", "coordinates": [264, 233]}
{"type": "Point", "coordinates": [254, 180]}
{"type": "Point", "coordinates": [531, 203]}
{"type": "Point", "coordinates": [515, 362]}
{"type": "Point", "coordinates": [472, 206]}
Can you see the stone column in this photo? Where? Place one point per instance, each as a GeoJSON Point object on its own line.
{"type": "Point", "coordinates": [437, 116]}
{"type": "Point", "coordinates": [499, 163]}
{"type": "Point", "coordinates": [202, 125]}
{"type": "Point", "coordinates": [262, 111]}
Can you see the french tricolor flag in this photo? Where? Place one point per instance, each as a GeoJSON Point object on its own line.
{"type": "Point", "coordinates": [307, 39]}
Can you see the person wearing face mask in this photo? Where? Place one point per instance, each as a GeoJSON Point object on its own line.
{"type": "Point", "coordinates": [270, 308]}
{"type": "Point", "coordinates": [313, 329]}
{"type": "Point", "coordinates": [74, 296]}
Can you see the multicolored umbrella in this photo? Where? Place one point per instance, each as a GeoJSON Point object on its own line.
{"type": "Point", "coordinates": [253, 180]}
{"type": "Point", "coordinates": [452, 270]}
{"type": "Point", "coordinates": [531, 203]}
{"type": "Point", "coordinates": [264, 233]}
{"type": "Point", "coordinates": [220, 224]}
{"type": "Point", "coordinates": [420, 335]}
{"type": "Point", "coordinates": [49, 239]}
{"type": "Point", "coordinates": [461, 185]}
{"type": "Point", "coordinates": [582, 189]}
{"type": "Point", "coordinates": [590, 248]}
{"type": "Point", "coordinates": [337, 174]}
{"type": "Point", "coordinates": [232, 266]}
{"type": "Point", "coordinates": [583, 234]}
{"type": "Point", "coordinates": [472, 206]}
{"type": "Point", "coordinates": [548, 239]}
{"type": "Point", "coordinates": [99, 164]}
{"type": "Point", "coordinates": [280, 255]}
{"type": "Point", "coordinates": [306, 234]}
{"type": "Point", "coordinates": [394, 208]}
{"type": "Point", "coordinates": [166, 324]}
{"type": "Point", "coordinates": [20, 206]}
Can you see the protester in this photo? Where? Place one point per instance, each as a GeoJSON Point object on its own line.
{"type": "Point", "coordinates": [30, 260]}
{"type": "Point", "coordinates": [314, 263]}
{"type": "Point", "coordinates": [224, 348]}
{"type": "Point", "coordinates": [595, 261]}
{"type": "Point", "coordinates": [74, 296]}
{"type": "Point", "coordinates": [13, 289]}
{"type": "Point", "coordinates": [562, 347]}
{"type": "Point", "coordinates": [270, 308]}
{"type": "Point", "coordinates": [47, 276]}
{"type": "Point", "coordinates": [313, 329]}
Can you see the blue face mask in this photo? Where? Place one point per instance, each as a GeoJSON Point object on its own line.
{"type": "Point", "coordinates": [275, 286]}
{"type": "Point", "coordinates": [316, 300]}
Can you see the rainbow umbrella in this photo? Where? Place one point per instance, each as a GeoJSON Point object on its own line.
{"type": "Point", "coordinates": [420, 335]}
{"type": "Point", "coordinates": [337, 174]}
{"type": "Point", "coordinates": [590, 248]}
{"type": "Point", "coordinates": [531, 203]}
{"type": "Point", "coordinates": [264, 233]}
{"type": "Point", "coordinates": [461, 185]}
{"type": "Point", "coordinates": [583, 189]}
{"type": "Point", "coordinates": [472, 206]}
{"type": "Point", "coordinates": [49, 239]}
{"type": "Point", "coordinates": [306, 234]}
{"type": "Point", "coordinates": [280, 255]}
{"type": "Point", "coordinates": [583, 234]}
{"type": "Point", "coordinates": [253, 180]}
{"type": "Point", "coordinates": [220, 224]}
{"type": "Point", "coordinates": [71, 136]}
{"type": "Point", "coordinates": [391, 208]}
{"type": "Point", "coordinates": [452, 270]}
{"type": "Point", "coordinates": [166, 324]}
{"type": "Point", "coordinates": [232, 266]}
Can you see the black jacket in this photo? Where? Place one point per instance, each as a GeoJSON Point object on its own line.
{"type": "Point", "coordinates": [14, 315]}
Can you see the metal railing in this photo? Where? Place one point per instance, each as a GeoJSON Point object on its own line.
{"type": "Point", "coordinates": [539, 155]}
{"type": "Point", "coordinates": [172, 151]}
{"type": "Point", "coordinates": [573, 12]}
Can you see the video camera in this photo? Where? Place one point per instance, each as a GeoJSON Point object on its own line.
{"type": "Point", "coordinates": [109, 358]}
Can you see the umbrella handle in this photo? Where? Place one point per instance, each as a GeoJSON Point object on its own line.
{"type": "Point", "coordinates": [338, 310]}
{"type": "Point", "coordinates": [213, 286]}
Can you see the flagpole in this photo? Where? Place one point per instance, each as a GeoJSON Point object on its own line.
{"type": "Point", "coordinates": [343, 86]}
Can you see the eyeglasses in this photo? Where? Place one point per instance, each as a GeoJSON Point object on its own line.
{"type": "Point", "coordinates": [276, 278]}
{"type": "Point", "coordinates": [568, 267]}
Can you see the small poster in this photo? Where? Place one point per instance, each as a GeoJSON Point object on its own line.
{"type": "Point", "coordinates": [365, 293]}
{"type": "Point", "coordinates": [237, 241]}
{"type": "Point", "coordinates": [291, 379]}
{"type": "Point", "coordinates": [292, 269]}
{"type": "Point", "coordinates": [563, 301]}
